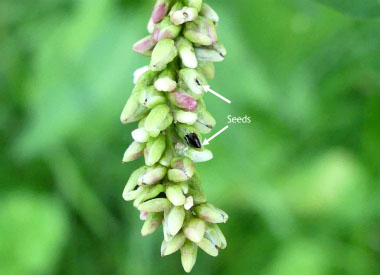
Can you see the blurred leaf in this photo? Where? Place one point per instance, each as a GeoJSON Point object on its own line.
{"type": "Point", "coordinates": [361, 8]}
{"type": "Point", "coordinates": [301, 256]}
{"type": "Point", "coordinates": [33, 230]}
{"type": "Point", "coordinates": [331, 185]}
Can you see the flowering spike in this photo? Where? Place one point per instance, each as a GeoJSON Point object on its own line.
{"type": "Point", "coordinates": [167, 100]}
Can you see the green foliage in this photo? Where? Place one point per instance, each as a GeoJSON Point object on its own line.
{"type": "Point", "coordinates": [362, 8]}
{"type": "Point", "coordinates": [300, 183]}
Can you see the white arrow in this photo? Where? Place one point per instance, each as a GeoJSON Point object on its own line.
{"type": "Point", "coordinates": [207, 141]}
{"type": "Point", "coordinates": [208, 89]}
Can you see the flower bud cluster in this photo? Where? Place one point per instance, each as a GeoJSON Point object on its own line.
{"type": "Point", "coordinates": [167, 100]}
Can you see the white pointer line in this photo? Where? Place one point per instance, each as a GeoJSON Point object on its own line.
{"type": "Point", "coordinates": [208, 89]}
{"type": "Point", "coordinates": [207, 141]}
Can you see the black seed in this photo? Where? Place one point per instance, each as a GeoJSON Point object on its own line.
{"type": "Point", "coordinates": [193, 140]}
{"type": "Point", "coordinates": [197, 81]}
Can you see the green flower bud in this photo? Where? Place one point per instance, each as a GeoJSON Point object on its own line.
{"type": "Point", "coordinates": [173, 245]}
{"type": "Point", "coordinates": [207, 69]}
{"type": "Point", "coordinates": [140, 113]}
{"type": "Point", "coordinates": [210, 213]}
{"type": "Point", "coordinates": [152, 222]}
{"type": "Point", "coordinates": [186, 14]}
{"type": "Point", "coordinates": [134, 151]}
{"type": "Point", "coordinates": [208, 247]}
{"type": "Point", "coordinates": [132, 107]}
{"type": "Point", "coordinates": [185, 117]}
{"type": "Point", "coordinates": [164, 53]}
{"type": "Point", "coordinates": [189, 134]}
{"type": "Point", "coordinates": [154, 150]}
{"type": "Point", "coordinates": [176, 175]}
{"type": "Point", "coordinates": [155, 205]}
{"type": "Point", "coordinates": [155, 118]}
{"type": "Point", "coordinates": [152, 175]}
{"type": "Point", "coordinates": [197, 4]}
{"type": "Point", "coordinates": [132, 195]}
{"type": "Point", "coordinates": [195, 230]}
{"type": "Point", "coordinates": [215, 235]}
{"type": "Point", "coordinates": [175, 195]}
{"type": "Point", "coordinates": [133, 180]}
{"type": "Point", "coordinates": [194, 81]}
{"type": "Point", "coordinates": [168, 154]}
{"type": "Point", "coordinates": [210, 13]}
{"type": "Point", "coordinates": [201, 31]}
{"type": "Point", "coordinates": [183, 100]}
{"type": "Point", "coordinates": [220, 49]}
{"type": "Point", "coordinates": [182, 169]}
{"type": "Point", "coordinates": [149, 192]}
{"type": "Point", "coordinates": [140, 135]}
{"type": "Point", "coordinates": [216, 53]}
{"type": "Point", "coordinates": [199, 155]}
{"type": "Point", "coordinates": [145, 46]}
{"type": "Point", "coordinates": [166, 123]}
{"type": "Point", "coordinates": [205, 121]}
{"type": "Point", "coordinates": [151, 98]}
{"type": "Point", "coordinates": [175, 219]}
{"type": "Point", "coordinates": [187, 53]}
{"type": "Point", "coordinates": [189, 255]}
{"type": "Point", "coordinates": [165, 30]}
{"type": "Point", "coordinates": [166, 81]}
{"type": "Point", "coordinates": [161, 8]}
{"type": "Point", "coordinates": [132, 110]}
{"type": "Point", "coordinates": [165, 226]}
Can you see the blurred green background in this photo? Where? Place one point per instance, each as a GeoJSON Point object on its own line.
{"type": "Point", "coordinates": [301, 183]}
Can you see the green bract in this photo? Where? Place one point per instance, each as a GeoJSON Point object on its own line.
{"type": "Point", "coordinates": [168, 103]}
